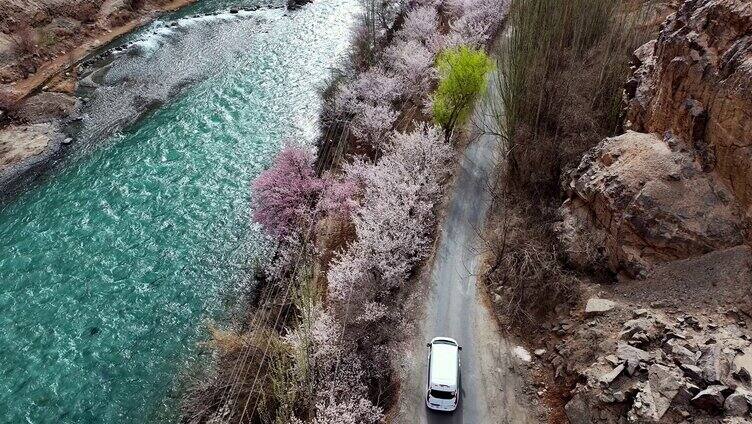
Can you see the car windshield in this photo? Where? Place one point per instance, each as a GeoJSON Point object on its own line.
{"type": "Point", "coordinates": [441, 394]}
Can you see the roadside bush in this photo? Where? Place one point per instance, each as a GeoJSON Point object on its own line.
{"type": "Point", "coordinates": [524, 264]}
{"type": "Point", "coordinates": [462, 79]}
{"type": "Point", "coordinates": [561, 75]}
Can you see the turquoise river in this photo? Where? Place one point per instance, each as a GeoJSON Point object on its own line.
{"type": "Point", "coordinates": [112, 265]}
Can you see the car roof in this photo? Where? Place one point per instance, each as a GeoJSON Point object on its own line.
{"type": "Point", "coordinates": [444, 339]}
{"type": "Point", "coordinates": [443, 366]}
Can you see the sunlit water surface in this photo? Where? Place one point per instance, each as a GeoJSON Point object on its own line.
{"type": "Point", "coordinates": [111, 267]}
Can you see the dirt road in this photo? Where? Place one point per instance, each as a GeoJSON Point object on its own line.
{"type": "Point", "coordinates": [490, 388]}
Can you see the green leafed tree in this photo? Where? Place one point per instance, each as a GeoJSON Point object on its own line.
{"type": "Point", "coordinates": [462, 78]}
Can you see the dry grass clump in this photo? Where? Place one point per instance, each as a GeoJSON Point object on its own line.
{"type": "Point", "coordinates": [220, 397]}
{"type": "Point", "coordinates": [524, 266]}
{"type": "Point", "coordinates": [258, 375]}
{"type": "Point", "coordinates": [561, 76]}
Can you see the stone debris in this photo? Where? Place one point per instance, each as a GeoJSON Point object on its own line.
{"type": "Point", "coordinates": [609, 377]}
{"type": "Point", "coordinates": [711, 398]}
{"type": "Point", "coordinates": [632, 355]}
{"type": "Point", "coordinates": [700, 371]}
{"type": "Point", "coordinates": [578, 411]}
{"type": "Point", "coordinates": [522, 354]}
{"type": "Point", "coordinates": [597, 306]}
{"type": "Point", "coordinates": [737, 404]}
{"type": "Point", "coordinates": [683, 355]}
{"type": "Point", "coordinates": [613, 360]}
{"type": "Point", "coordinates": [655, 397]}
{"type": "Point", "coordinates": [693, 372]}
{"type": "Point", "coordinates": [714, 363]}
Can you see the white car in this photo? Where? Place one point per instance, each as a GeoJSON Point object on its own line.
{"type": "Point", "coordinates": [443, 388]}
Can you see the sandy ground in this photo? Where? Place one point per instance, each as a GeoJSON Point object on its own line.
{"type": "Point", "coordinates": [492, 388]}
{"type": "Point", "coordinates": [25, 147]}
{"type": "Point", "coordinates": [19, 143]}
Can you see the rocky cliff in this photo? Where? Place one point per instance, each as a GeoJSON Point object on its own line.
{"type": "Point", "coordinates": [695, 81]}
{"type": "Point", "coordinates": [679, 183]}
{"type": "Point", "coordinates": [646, 200]}
{"type": "Point", "coordinates": [667, 206]}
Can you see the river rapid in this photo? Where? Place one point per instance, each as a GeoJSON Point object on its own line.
{"type": "Point", "coordinates": [112, 265]}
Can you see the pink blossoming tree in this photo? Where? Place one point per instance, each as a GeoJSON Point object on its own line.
{"type": "Point", "coordinates": [413, 62]}
{"type": "Point", "coordinates": [395, 217]}
{"type": "Point", "coordinates": [286, 194]}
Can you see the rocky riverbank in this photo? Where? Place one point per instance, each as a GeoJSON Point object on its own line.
{"type": "Point", "coordinates": [40, 45]}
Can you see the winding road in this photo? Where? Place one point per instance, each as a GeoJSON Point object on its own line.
{"type": "Point", "coordinates": [490, 388]}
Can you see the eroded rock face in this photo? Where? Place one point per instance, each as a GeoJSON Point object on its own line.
{"type": "Point", "coordinates": [645, 200]}
{"type": "Point", "coordinates": [46, 107]}
{"type": "Point", "coordinates": [695, 81]}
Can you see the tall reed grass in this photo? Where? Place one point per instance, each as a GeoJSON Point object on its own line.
{"type": "Point", "coordinates": [561, 74]}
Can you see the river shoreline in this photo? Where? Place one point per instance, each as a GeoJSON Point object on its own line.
{"type": "Point", "coordinates": [33, 137]}
{"type": "Point", "coordinates": [133, 242]}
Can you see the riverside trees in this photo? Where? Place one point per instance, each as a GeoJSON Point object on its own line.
{"type": "Point", "coordinates": [287, 193]}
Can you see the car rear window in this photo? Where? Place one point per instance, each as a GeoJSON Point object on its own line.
{"type": "Point", "coordinates": [441, 394]}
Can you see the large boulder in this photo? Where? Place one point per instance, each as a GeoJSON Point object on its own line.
{"type": "Point", "coordinates": [579, 410]}
{"type": "Point", "coordinates": [695, 80]}
{"type": "Point", "coordinates": [647, 200]}
{"type": "Point", "coordinates": [655, 396]}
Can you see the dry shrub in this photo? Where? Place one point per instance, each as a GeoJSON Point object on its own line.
{"type": "Point", "coordinates": [8, 101]}
{"type": "Point", "coordinates": [134, 5]}
{"type": "Point", "coordinates": [524, 262]}
{"type": "Point", "coordinates": [120, 17]}
{"type": "Point", "coordinates": [84, 10]}
{"type": "Point", "coordinates": [225, 340]}
{"type": "Point", "coordinates": [25, 40]}
{"type": "Point", "coordinates": [255, 375]}
{"type": "Point", "coordinates": [332, 235]}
